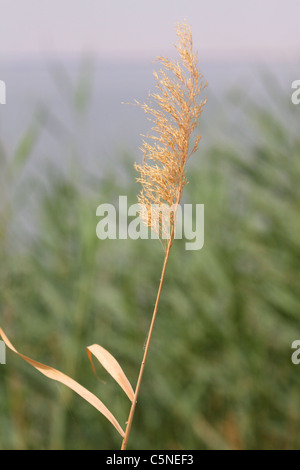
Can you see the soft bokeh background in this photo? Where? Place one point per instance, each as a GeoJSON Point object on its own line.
{"type": "Point", "coordinates": [219, 374]}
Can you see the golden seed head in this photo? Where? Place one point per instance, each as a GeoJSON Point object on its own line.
{"type": "Point", "coordinates": [175, 115]}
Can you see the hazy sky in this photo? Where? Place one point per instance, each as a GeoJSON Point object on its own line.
{"type": "Point", "coordinates": [222, 29]}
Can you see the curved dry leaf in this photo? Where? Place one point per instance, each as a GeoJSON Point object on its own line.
{"type": "Point", "coordinates": [112, 366]}
{"type": "Point", "coordinates": [64, 379]}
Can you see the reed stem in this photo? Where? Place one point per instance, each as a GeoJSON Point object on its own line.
{"type": "Point", "coordinates": [132, 409]}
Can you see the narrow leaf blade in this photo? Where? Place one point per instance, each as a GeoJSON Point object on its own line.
{"type": "Point", "coordinates": [112, 366]}
{"type": "Point", "coordinates": [58, 376]}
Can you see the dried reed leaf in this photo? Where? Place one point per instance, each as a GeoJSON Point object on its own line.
{"type": "Point", "coordinates": [112, 366]}
{"type": "Point", "coordinates": [64, 379]}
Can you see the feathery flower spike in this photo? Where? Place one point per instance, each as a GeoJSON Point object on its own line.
{"type": "Point", "coordinates": [175, 117]}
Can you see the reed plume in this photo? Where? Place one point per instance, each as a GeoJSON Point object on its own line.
{"type": "Point", "coordinates": [162, 173]}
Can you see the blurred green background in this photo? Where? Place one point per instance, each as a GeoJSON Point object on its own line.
{"type": "Point", "coordinates": [219, 374]}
